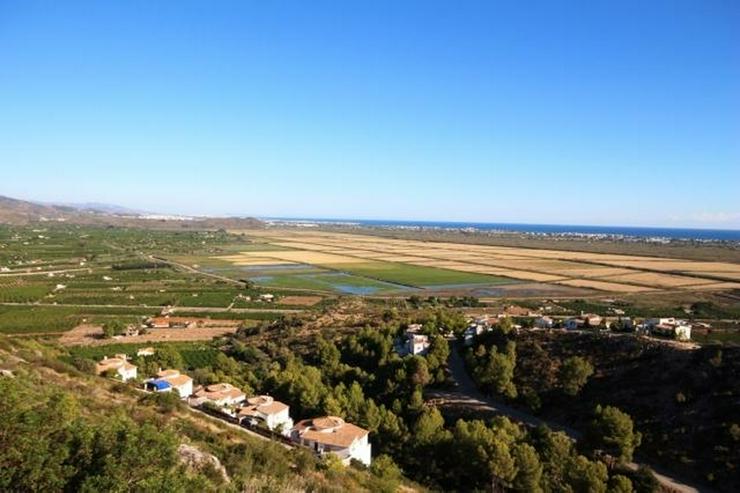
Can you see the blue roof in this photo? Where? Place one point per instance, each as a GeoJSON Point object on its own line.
{"type": "Point", "coordinates": [160, 384]}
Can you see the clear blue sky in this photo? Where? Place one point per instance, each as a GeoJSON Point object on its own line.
{"type": "Point", "coordinates": [620, 112]}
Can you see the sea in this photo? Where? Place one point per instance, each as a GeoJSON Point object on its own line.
{"type": "Point", "coordinates": [650, 233]}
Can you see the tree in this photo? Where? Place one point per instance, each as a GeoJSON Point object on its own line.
{"type": "Point", "coordinates": [574, 374]}
{"type": "Point", "coordinates": [620, 484]}
{"type": "Point", "coordinates": [498, 371]}
{"type": "Point", "coordinates": [113, 328]}
{"type": "Point", "coordinates": [488, 459]}
{"type": "Point", "coordinates": [505, 325]}
{"type": "Point", "coordinates": [439, 351]}
{"type": "Point", "coordinates": [417, 370]}
{"type": "Point", "coordinates": [585, 476]}
{"type": "Point", "coordinates": [529, 468]}
{"type": "Point", "coordinates": [386, 475]}
{"type": "Point", "coordinates": [168, 357]}
{"type": "Point", "coordinates": [613, 431]}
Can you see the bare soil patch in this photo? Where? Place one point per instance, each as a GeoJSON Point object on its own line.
{"type": "Point", "coordinates": [91, 335]}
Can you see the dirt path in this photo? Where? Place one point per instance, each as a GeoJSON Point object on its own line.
{"type": "Point", "coordinates": [467, 394]}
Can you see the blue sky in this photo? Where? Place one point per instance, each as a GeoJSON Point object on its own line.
{"type": "Point", "coordinates": [544, 112]}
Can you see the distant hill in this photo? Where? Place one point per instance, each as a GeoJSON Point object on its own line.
{"type": "Point", "coordinates": [22, 212]}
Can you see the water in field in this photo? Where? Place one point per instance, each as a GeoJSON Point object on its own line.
{"type": "Point", "coordinates": [338, 282]}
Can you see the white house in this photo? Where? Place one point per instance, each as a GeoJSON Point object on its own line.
{"type": "Point", "coordinates": [220, 394]}
{"type": "Point", "coordinates": [670, 327]}
{"type": "Point", "coordinates": [119, 363]}
{"type": "Point", "coordinates": [417, 344]}
{"type": "Point", "coordinates": [168, 380]}
{"type": "Point", "coordinates": [332, 435]}
{"type": "Point", "coordinates": [543, 323]}
{"type": "Point", "coordinates": [264, 408]}
{"type": "Point", "coordinates": [473, 330]}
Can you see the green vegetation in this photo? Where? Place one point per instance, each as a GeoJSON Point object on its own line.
{"type": "Point", "coordinates": [326, 281]}
{"type": "Point", "coordinates": [36, 319]}
{"type": "Point", "coordinates": [613, 432]}
{"type": "Point", "coordinates": [666, 405]}
{"type": "Point", "coordinates": [574, 373]}
{"type": "Point", "coordinates": [65, 431]}
{"type": "Point", "coordinates": [415, 275]}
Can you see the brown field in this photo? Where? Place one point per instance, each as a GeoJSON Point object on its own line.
{"type": "Point", "coordinates": [653, 279]}
{"type": "Point", "coordinates": [603, 286]}
{"type": "Point", "coordinates": [598, 271]}
{"type": "Point", "coordinates": [300, 300]}
{"type": "Point", "coordinates": [90, 335]}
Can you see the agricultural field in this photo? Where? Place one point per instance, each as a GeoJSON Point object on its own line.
{"type": "Point", "coordinates": [441, 265]}
{"type": "Point", "coordinates": [55, 278]}
{"type": "Point", "coordinates": [194, 354]}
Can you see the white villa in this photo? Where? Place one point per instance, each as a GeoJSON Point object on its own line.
{"type": "Point", "coordinates": [220, 394]}
{"type": "Point", "coordinates": [671, 327]}
{"type": "Point", "coordinates": [120, 364]}
{"type": "Point", "coordinates": [543, 323]}
{"type": "Point", "coordinates": [168, 380]}
{"type": "Point", "coordinates": [264, 408]}
{"type": "Point", "coordinates": [331, 434]}
{"type": "Point", "coordinates": [413, 342]}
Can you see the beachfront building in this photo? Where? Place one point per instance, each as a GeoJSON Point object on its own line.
{"type": "Point", "coordinates": [332, 435]}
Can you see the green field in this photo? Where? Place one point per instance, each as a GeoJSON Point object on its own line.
{"type": "Point", "coordinates": [326, 281]}
{"type": "Point", "coordinates": [418, 276]}
{"type": "Point", "coordinates": [194, 354]}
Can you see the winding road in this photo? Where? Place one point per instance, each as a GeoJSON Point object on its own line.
{"type": "Point", "coordinates": [466, 394]}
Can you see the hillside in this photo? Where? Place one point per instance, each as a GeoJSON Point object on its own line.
{"type": "Point", "coordinates": [22, 212]}
{"type": "Point", "coordinates": [64, 430]}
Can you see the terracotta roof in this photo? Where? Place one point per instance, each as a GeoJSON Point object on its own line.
{"type": "Point", "coordinates": [219, 391]}
{"type": "Point", "coordinates": [273, 408]}
{"type": "Point", "coordinates": [262, 404]}
{"type": "Point", "coordinates": [330, 430]}
{"type": "Point", "coordinates": [167, 373]}
{"type": "Point", "coordinates": [113, 364]}
{"type": "Point", "coordinates": [260, 400]}
{"type": "Point", "coordinates": [177, 380]}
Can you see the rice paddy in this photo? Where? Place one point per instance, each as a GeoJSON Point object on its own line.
{"type": "Point", "coordinates": [420, 264]}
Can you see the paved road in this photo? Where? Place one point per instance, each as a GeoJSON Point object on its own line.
{"type": "Point", "coordinates": [466, 393]}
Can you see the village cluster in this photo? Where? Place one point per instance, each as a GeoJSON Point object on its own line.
{"type": "Point", "coordinates": [323, 435]}
{"type": "Point", "coordinates": [667, 327]}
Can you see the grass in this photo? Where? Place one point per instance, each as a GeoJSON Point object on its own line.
{"type": "Point", "coordinates": [418, 276]}
{"type": "Point", "coordinates": [327, 281]}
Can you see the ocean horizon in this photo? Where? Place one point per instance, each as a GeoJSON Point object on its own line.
{"type": "Point", "coordinates": [563, 229]}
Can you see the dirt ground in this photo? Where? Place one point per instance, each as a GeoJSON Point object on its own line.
{"type": "Point", "coordinates": [91, 335]}
{"type": "Point", "coordinates": [300, 300]}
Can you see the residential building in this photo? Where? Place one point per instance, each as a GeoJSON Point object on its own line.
{"type": "Point", "coordinates": [219, 394]}
{"type": "Point", "coordinates": [168, 380]}
{"type": "Point", "coordinates": [331, 434]}
{"type": "Point", "coordinates": [416, 344]}
{"type": "Point", "coordinates": [543, 323]}
{"type": "Point", "coordinates": [475, 329]}
{"type": "Point", "coordinates": [119, 363]}
{"type": "Point", "coordinates": [263, 408]}
{"type": "Point", "coordinates": [670, 327]}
